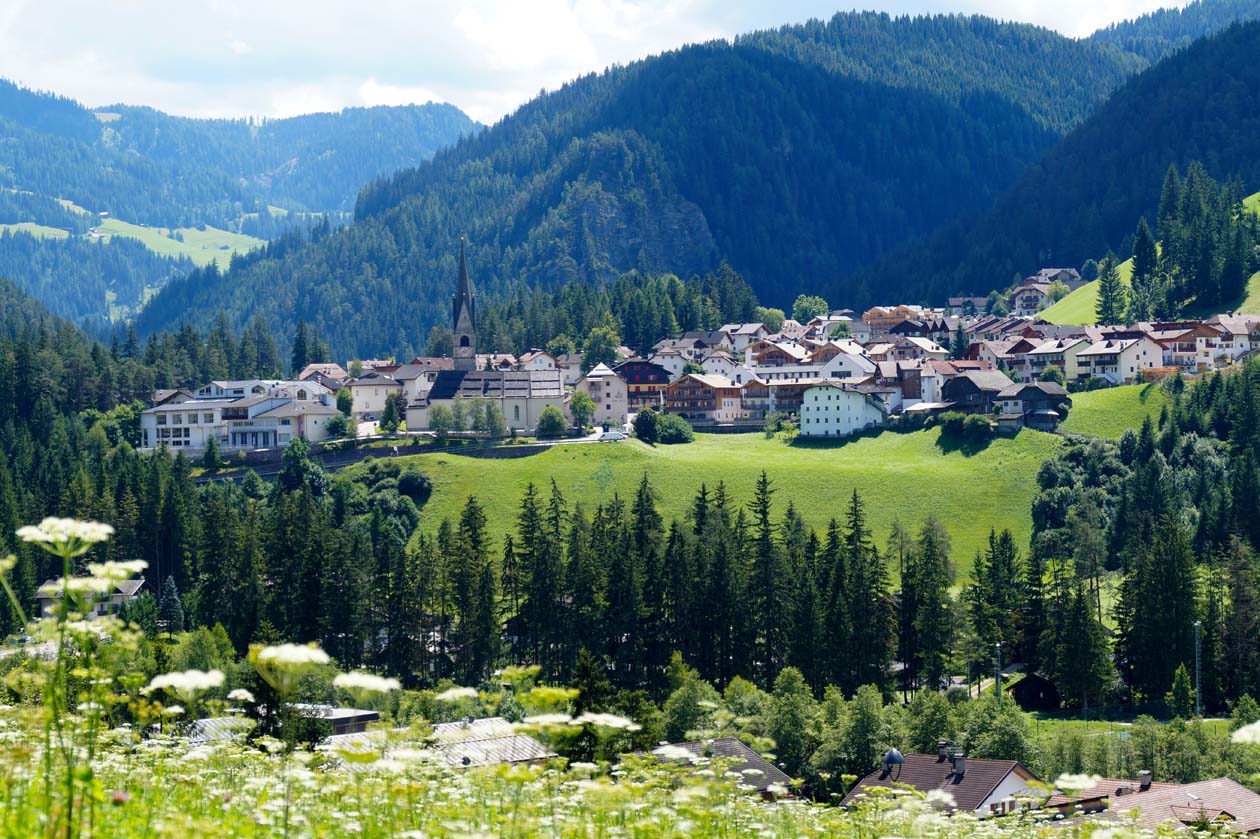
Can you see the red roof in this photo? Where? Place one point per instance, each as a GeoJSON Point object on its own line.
{"type": "Point", "coordinates": [933, 772]}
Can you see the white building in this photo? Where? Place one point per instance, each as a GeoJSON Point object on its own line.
{"type": "Point", "coordinates": [837, 410]}
{"type": "Point", "coordinates": [370, 392]}
{"type": "Point", "coordinates": [1119, 360]}
{"type": "Point", "coordinates": [610, 394]}
{"type": "Point", "coordinates": [251, 414]}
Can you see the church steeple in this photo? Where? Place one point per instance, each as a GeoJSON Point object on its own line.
{"type": "Point", "coordinates": [464, 318]}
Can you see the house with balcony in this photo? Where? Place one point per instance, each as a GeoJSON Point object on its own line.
{"type": "Point", "coordinates": [1121, 361]}
{"type": "Point", "coordinates": [704, 398]}
{"type": "Point", "coordinates": [645, 382]}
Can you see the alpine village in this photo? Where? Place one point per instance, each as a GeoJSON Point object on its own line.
{"type": "Point", "coordinates": [842, 428]}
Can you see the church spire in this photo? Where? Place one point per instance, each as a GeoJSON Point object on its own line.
{"type": "Point", "coordinates": [464, 318]}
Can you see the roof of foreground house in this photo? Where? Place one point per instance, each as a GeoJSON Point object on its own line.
{"type": "Point", "coordinates": [925, 773]}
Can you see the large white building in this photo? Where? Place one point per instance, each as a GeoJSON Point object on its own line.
{"type": "Point", "coordinates": [251, 414]}
{"type": "Point", "coordinates": [609, 392]}
{"type": "Point", "coordinates": [838, 410]}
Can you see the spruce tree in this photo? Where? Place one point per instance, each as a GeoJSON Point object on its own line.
{"type": "Point", "coordinates": [1110, 308]}
{"type": "Point", "coordinates": [301, 350]}
{"type": "Point", "coordinates": [767, 588]}
{"type": "Point", "coordinates": [170, 608]}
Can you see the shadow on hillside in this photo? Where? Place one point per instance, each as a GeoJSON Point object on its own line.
{"type": "Point", "coordinates": [799, 442]}
{"type": "Point", "coordinates": [968, 446]}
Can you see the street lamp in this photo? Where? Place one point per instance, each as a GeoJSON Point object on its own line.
{"type": "Point", "coordinates": [997, 672]}
{"type": "Point", "coordinates": [1198, 671]}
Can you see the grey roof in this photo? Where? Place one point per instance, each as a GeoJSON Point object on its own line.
{"type": "Point", "coordinates": [994, 380]}
{"type": "Point", "coordinates": [511, 384]}
{"type": "Point", "coordinates": [1048, 388]}
{"type": "Point", "coordinates": [217, 729]}
{"type": "Point", "coordinates": [295, 408]}
{"type": "Point", "coordinates": [486, 742]}
{"type": "Point", "coordinates": [757, 772]}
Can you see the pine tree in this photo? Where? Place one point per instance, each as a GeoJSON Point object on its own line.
{"type": "Point", "coordinates": [170, 608]}
{"type": "Point", "coordinates": [766, 588]}
{"type": "Point", "coordinates": [933, 618]}
{"type": "Point", "coordinates": [1145, 257]}
{"type": "Point", "coordinates": [870, 606]}
{"type": "Point", "coordinates": [301, 350]}
{"type": "Point", "coordinates": [1110, 308]}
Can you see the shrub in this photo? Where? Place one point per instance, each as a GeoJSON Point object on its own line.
{"type": "Point", "coordinates": [645, 423]}
{"type": "Point", "coordinates": [671, 428]}
{"type": "Point", "coordinates": [415, 485]}
{"type": "Point", "coordinates": [977, 428]}
{"type": "Point", "coordinates": [952, 423]}
{"type": "Point", "coordinates": [551, 422]}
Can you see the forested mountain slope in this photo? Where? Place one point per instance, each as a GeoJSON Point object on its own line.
{"type": "Point", "coordinates": [1085, 195]}
{"type": "Point", "coordinates": [152, 168]}
{"type": "Point", "coordinates": [792, 167]}
{"type": "Point", "coordinates": [63, 166]}
{"type": "Point", "coordinates": [1157, 34]}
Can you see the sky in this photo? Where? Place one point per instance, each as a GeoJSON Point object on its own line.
{"type": "Point", "coordinates": [278, 58]}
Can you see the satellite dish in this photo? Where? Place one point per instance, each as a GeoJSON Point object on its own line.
{"type": "Point", "coordinates": [893, 756]}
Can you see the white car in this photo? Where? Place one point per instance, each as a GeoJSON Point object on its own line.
{"type": "Point", "coordinates": [613, 437]}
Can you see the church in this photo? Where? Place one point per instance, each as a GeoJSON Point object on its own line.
{"type": "Point", "coordinates": [521, 395]}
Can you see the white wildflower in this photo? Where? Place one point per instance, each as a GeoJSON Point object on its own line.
{"type": "Point", "coordinates": [940, 797]}
{"type": "Point", "coordinates": [671, 752]}
{"type": "Point", "coordinates": [1070, 783]}
{"type": "Point", "coordinates": [777, 789]}
{"type": "Point", "coordinates": [548, 719]}
{"type": "Point", "coordinates": [1247, 734]}
{"type": "Point", "coordinates": [117, 571]}
{"type": "Point", "coordinates": [366, 682]}
{"type": "Point", "coordinates": [240, 695]}
{"type": "Point", "coordinates": [65, 531]}
{"type": "Point", "coordinates": [186, 684]}
{"type": "Point", "coordinates": [172, 711]}
{"type": "Point", "coordinates": [607, 721]}
{"type": "Point", "coordinates": [293, 655]}
{"type": "Point", "coordinates": [456, 694]}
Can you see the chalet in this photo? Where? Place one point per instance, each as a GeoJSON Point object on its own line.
{"type": "Point", "coordinates": [171, 396]}
{"type": "Point", "coordinates": [324, 371]}
{"type": "Point", "coordinates": [839, 410]}
{"type": "Point", "coordinates": [1219, 802]}
{"type": "Point", "coordinates": [1060, 353]}
{"type": "Point", "coordinates": [789, 330]}
{"type": "Point", "coordinates": [718, 363]}
{"type": "Point", "coordinates": [645, 382]}
{"type": "Point", "coordinates": [974, 392]}
{"type": "Point", "coordinates": [1240, 334]}
{"type": "Point", "coordinates": [983, 787]}
{"type": "Point", "coordinates": [1189, 345]}
{"type": "Point", "coordinates": [704, 398]}
{"type": "Point", "coordinates": [742, 334]}
{"type": "Point", "coordinates": [609, 393]}
{"type": "Point", "coordinates": [122, 593]}
{"type": "Point", "coordinates": [496, 361]}
{"type": "Point", "coordinates": [1070, 277]}
{"type": "Point", "coordinates": [771, 354]}
{"type": "Point", "coordinates": [1039, 405]}
{"type": "Point", "coordinates": [883, 318]}
{"type": "Point", "coordinates": [1030, 298]}
{"type": "Point", "coordinates": [1119, 360]}
{"type": "Point", "coordinates": [536, 360]}
{"type": "Point", "coordinates": [967, 305]}
{"type": "Point", "coordinates": [670, 359]}
{"type": "Point", "coordinates": [916, 347]}
{"type": "Point", "coordinates": [755, 399]}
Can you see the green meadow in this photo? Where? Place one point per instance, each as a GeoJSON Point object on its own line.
{"type": "Point", "coordinates": [1110, 412]}
{"type": "Point", "coordinates": [905, 476]}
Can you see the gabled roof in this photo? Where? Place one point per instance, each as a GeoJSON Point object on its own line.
{"type": "Point", "coordinates": [933, 772]}
{"type": "Point", "coordinates": [1016, 391]}
{"type": "Point", "coordinates": [743, 328]}
{"type": "Point", "coordinates": [485, 742]}
{"type": "Point", "coordinates": [708, 380]}
{"type": "Point", "coordinates": [470, 384]}
{"type": "Point", "coordinates": [1105, 788]}
{"type": "Point", "coordinates": [994, 381]}
{"type": "Point", "coordinates": [1220, 798]}
{"type": "Point", "coordinates": [756, 771]}
{"type": "Point", "coordinates": [600, 371]}
{"type": "Point", "coordinates": [1108, 347]}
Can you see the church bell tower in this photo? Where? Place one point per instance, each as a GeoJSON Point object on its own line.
{"type": "Point", "coordinates": [464, 318]}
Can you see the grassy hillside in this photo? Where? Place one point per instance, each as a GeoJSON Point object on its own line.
{"type": "Point", "coordinates": [1111, 412]}
{"type": "Point", "coordinates": [1079, 307]}
{"type": "Point", "coordinates": [41, 230]}
{"type": "Point", "coordinates": [899, 476]}
{"type": "Point", "coordinates": [202, 246]}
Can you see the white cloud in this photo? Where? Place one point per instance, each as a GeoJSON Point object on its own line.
{"type": "Point", "coordinates": [283, 57]}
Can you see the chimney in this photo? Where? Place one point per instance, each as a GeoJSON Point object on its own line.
{"type": "Point", "coordinates": [1144, 779]}
{"type": "Point", "coordinates": [960, 764]}
{"type": "Point", "coordinates": [942, 750]}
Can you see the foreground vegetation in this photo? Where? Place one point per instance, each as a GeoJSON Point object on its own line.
{"type": "Point", "coordinates": [99, 744]}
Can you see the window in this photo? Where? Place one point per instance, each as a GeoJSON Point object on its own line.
{"type": "Point", "coordinates": [177, 419]}
{"type": "Point", "coordinates": [208, 418]}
